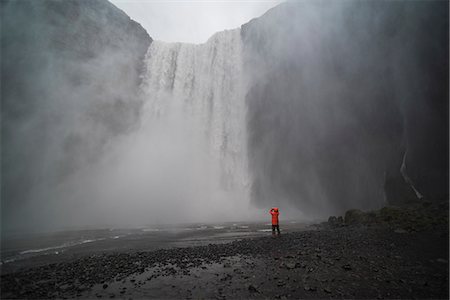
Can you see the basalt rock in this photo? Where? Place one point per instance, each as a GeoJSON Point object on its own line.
{"type": "Point", "coordinates": [70, 77]}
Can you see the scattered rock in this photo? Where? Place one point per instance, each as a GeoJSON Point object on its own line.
{"type": "Point", "coordinates": [369, 249]}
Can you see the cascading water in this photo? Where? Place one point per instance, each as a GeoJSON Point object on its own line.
{"type": "Point", "coordinates": [191, 147]}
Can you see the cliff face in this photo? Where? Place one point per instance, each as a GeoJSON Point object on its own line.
{"type": "Point", "coordinates": [348, 104]}
{"type": "Point", "coordinates": [70, 76]}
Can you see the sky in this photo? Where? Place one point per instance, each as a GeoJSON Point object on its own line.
{"type": "Point", "coordinates": [191, 21]}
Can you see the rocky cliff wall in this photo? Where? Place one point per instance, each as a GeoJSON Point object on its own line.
{"type": "Point", "coordinates": [70, 72]}
{"type": "Point", "coordinates": [348, 104]}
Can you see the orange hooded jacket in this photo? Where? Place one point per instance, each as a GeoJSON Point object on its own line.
{"type": "Point", "coordinates": [274, 212]}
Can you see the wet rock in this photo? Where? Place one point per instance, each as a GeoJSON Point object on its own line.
{"type": "Point", "coordinates": [253, 289]}
{"type": "Point", "coordinates": [289, 265]}
{"type": "Point", "coordinates": [347, 267]}
{"type": "Point", "coordinates": [227, 277]}
{"type": "Point", "coordinates": [310, 288]}
{"type": "Point", "coordinates": [281, 283]}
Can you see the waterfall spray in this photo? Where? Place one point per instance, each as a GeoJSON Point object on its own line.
{"type": "Point", "coordinates": [191, 147]}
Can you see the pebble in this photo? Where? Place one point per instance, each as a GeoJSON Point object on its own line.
{"type": "Point", "coordinates": [309, 288]}
{"type": "Point", "coordinates": [347, 267]}
{"type": "Point", "coordinates": [253, 289]}
{"type": "Point", "coordinates": [290, 265]}
{"type": "Point", "coordinates": [281, 283]}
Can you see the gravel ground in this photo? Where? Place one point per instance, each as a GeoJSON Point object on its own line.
{"type": "Point", "coordinates": [357, 261]}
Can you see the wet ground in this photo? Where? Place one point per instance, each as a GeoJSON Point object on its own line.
{"type": "Point", "coordinates": [30, 250]}
{"type": "Point", "coordinates": [356, 261]}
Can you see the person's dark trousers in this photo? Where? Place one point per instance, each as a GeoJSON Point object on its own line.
{"type": "Point", "coordinates": [277, 227]}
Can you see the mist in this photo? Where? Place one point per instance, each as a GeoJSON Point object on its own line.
{"type": "Point", "coordinates": [70, 79]}
{"type": "Point", "coordinates": [338, 93]}
{"type": "Point", "coordinates": [315, 107]}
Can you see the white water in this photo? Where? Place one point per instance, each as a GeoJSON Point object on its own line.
{"type": "Point", "coordinates": [188, 159]}
{"type": "Point", "coordinates": [196, 103]}
{"type": "Point", "coordinates": [65, 245]}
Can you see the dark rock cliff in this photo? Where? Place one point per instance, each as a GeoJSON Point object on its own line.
{"type": "Point", "coordinates": [348, 104]}
{"type": "Point", "coordinates": [70, 75]}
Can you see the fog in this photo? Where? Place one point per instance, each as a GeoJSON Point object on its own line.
{"type": "Point", "coordinates": [331, 100]}
{"type": "Point", "coordinates": [314, 107]}
{"type": "Point", "coordinates": [70, 74]}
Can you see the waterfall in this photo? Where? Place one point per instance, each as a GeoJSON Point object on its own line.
{"type": "Point", "coordinates": [192, 139]}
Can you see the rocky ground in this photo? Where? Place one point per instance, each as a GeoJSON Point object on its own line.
{"type": "Point", "coordinates": [395, 253]}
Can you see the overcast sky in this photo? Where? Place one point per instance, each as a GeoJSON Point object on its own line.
{"type": "Point", "coordinates": [191, 21]}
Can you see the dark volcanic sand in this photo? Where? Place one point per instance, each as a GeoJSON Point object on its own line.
{"type": "Point", "coordinates": [342, 262]}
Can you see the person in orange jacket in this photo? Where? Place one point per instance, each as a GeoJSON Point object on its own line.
{"type": "Point", "coordinates": [275, 225]}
